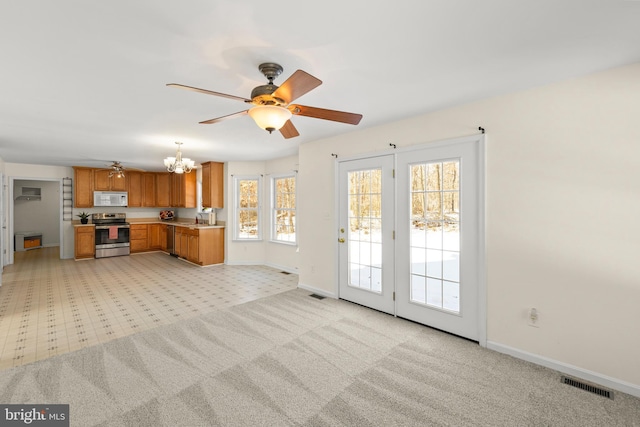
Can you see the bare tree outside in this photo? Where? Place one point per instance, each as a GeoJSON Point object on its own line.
{"type": "Point", "coordinates": [248, 209]}
{"type": "Point", "coordinates": [284, 215]}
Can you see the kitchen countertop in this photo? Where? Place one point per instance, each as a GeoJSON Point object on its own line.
{"type": "Point", "coordinates": [177, 223]}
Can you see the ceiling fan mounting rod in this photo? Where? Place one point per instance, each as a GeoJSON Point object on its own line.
{"type": "Point", "coordinates": [270, 70]}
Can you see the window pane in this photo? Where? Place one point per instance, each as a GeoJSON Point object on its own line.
{"type": "Point", "coordinates": [283, 215]}
{"type": "Point", "coordinates": [435, 232]}
{"type": "Point", "coordinates": [248, 223]}
{"type": "Point", "coordinates": [248, 193]}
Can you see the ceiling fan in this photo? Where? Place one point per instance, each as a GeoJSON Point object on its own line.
{"type": "Point", "coordinates": [116, 169]}
{"type": "Point", "coordinates": [272, 108]}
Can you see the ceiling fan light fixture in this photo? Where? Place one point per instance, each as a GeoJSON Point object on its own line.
{"type": "Point", "coordinates": [270, 117]}
{"type": "Point", "coordinates": [177, 164]}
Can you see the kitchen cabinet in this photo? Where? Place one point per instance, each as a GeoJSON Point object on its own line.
{"type": "Point", "coordinates": [193, 253]}
{"type": "Point", "coordinates": [134, 182]}
{"type": "Point", "coordinates": [213, 185]}
{"type": "Point", "coordinates": [149, 190]}
{"type": "Point", "coordinates": [163, 189]}
{"type": "Point", "coordinates": [103, 182]}
{"type": "Point", "coordinates": [139, 238]}
{"type": "Point", "coordinates": [82, 187]}
{"type": "Point", "coordinates": [155, 236]}
{"type": "Point", "coordinates": [163, 236]}
{"type": "Point", "coordinates": [177, 243]}
{"type": "Point", "coordinates": [202, 246]}
{"type": "Point", "coordinates": [183, 190]}
{"type": "Point", "coordinates": [85, 242]}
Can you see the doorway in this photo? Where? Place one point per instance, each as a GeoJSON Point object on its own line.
{"type": "Point", "coordinates": [411, 235]}
{"type": "Point", "coordinates": [35, 214]}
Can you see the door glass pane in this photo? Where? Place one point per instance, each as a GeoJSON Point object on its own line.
{"type": "Point", "coordinates": [365, 229]}
{"type": "Point", "coordinates": [435, 234]}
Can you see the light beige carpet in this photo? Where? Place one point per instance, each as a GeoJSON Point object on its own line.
{"type": "Point", "coordinates": [293, 360]}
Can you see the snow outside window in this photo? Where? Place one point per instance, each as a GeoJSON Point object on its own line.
{"type": "Point", "coordinates": [283, 209]}
{"type": "Point", "coordinates": [247, 208]}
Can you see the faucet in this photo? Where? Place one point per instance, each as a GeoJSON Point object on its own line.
{"type": "Point", "coordinates": [202, 221]}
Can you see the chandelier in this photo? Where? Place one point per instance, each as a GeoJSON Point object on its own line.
{"type": "Point", "coordinates": [178, 164]}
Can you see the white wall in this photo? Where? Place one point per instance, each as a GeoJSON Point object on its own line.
{"type": "Point", "coordinates": [563, 198]}
{"type": "Point", "coordinates": [244, 252]}
{"type": "Point", "coordinates": [279, 255]}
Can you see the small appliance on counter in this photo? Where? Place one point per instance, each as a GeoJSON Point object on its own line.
{"type": "Point", "coordinates": [166, 215]}
{"type": "Point", "coordinates": [212, 218]}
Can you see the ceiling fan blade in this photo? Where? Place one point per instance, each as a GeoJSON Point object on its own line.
{"type": "Point", "coordinates": [208, 92]}
{"type": "Point", "coordinates": [219, 119]}
{"type": "Point", "coordinates": [322, 113]}
{"type": "Point", "coordinates": [295, 86]}
{"type": "Point", "coordinates": [289, 130]}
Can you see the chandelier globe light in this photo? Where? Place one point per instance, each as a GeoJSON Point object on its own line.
{"type": "Point", "coordinates": [270, 117]}
{"type": "Point", "coordinates": [178, 164]}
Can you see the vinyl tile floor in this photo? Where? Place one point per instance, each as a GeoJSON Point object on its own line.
{"type": "Point", "coordinates": [50, 306]}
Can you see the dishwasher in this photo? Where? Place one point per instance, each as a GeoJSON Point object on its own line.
{"type": "Point", "coordinates": [171, 238]}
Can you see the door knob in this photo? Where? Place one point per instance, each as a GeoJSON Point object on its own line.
{"type": "Point", "coordinates": [341, 240]}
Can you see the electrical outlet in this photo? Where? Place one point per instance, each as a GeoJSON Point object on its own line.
{"type": "Point", "coordinates": [533, 317]}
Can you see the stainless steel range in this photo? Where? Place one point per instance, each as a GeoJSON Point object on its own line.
{"type": "Point", "coordinates": [112, 234]}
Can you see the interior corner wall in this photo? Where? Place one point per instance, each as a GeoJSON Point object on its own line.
{"type": "Point", "coordinates": [276, 255]}
{"type": "Point", "coordinates": [279, 255]}
{"type": "Point", "coordinates": [563, 180]}
{"type": "Point", "coordinates": [242, 252]}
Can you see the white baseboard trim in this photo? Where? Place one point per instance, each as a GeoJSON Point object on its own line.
{"type": "Point", "coordinates": [317, 291]}
{"type": "Point", "coordinates": [565, 368]}
{"type": "Point", "coordinates": [291, 270]}
{"type": "Point", "coordinates": [243, 263]}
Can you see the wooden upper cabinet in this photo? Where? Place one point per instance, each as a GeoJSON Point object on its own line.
{"type": "Point", "coordinates": [103, 182]}
{"type": "Point", "coordinates": [163, 189]}
{"type": "Point", "coordinates": [149, 189]}
{"type": "Point", "coordinates": [183, 190]}
{"type": "Point", "coordinates": [134, 180]}
{"type": "Point", "coordinates": [213, 185]}
{"type": "Point", "coordinates": [82, 187]}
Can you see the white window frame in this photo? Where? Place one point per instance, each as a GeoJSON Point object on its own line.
{"type": "Point", "coordinates": [274, 208]}
{"type": "Point", "coordinates": [237, 208]}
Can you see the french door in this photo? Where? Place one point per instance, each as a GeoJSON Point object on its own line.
{"type": "Point", "coordinates": [365, 237]}
{"type": "Point", "coordinates": [438, 276]}
{"type": "Point", "coordinates": [412, 244]}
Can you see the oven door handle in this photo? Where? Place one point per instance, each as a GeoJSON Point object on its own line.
{"type": "Point", "coordinates": [106, 227]}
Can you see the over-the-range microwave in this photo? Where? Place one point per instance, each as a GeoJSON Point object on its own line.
{"type": "Point", "coordinates": [110, 198]}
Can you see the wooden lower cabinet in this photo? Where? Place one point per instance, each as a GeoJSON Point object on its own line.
{"type": "Point", "coordinates": [85, 242]}
{"type": "Point", "coordinates": [202, 246]}
{"type": "Point", "coordinates": [155, 236]}
{"type": "Point", "coordinates": [139, 238]}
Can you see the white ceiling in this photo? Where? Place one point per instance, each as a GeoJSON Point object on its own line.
{"type": "Point", "coordinates": [83, 82]}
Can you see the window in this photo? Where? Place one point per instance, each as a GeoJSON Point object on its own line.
{"type": "Point", "coordinates": [247, 208]}
{"type": "Point", "coordinates": [283, 209]}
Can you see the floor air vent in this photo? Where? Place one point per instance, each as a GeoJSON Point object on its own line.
{"type": "Point", "coordinates": [587, 387]}
{"type": "Point", "coordinates": [316, 296]}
